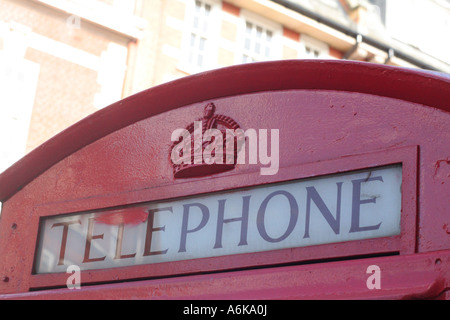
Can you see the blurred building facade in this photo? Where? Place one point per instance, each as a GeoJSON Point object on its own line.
{"type": "Point", "coordinates": [61, 60]}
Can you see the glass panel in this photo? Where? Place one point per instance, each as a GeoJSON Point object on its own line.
{"type": "Point", "coordinates": [334, 208]}
{"type": "Point", "coordinates": [247, 43]}
{"type": "Point", "coordinates": [207, 9]}
{"type": "Point", "coordinates": [198, 6]}
{"type": "Point", "coordinates": [195, 24]}
{"type": "Point", "coordinates": [257, 47]}
{"type": "Point", "coordinates": [202, 44]}
{"type": "Point", "coordinates": [249, 27]}
{"type": "Point", "coordinates": [258, 31]}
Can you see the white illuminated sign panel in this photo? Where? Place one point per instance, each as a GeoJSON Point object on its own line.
{"type": "Point", "coordinates": [329, 209]}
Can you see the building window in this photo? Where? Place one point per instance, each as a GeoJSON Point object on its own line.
{"type": "Point", "coordinates": [259, 40]}
{"type": "Point", "coordinates": [311, 52]}
{"type": "Point", "coordinates": [311, 48]}
{"type": "Point", "coordinates": [257, 43]}
{"type": "Point", "coordinates": [199, 33]}
{"type": "Point", "coordinates": [198, 46]}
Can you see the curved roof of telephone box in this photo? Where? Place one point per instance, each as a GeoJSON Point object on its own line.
{"type": "Point", "coordinates": [430, 89]}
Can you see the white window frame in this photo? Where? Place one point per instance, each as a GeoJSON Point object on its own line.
{"type": "Point", "coordinates": [267, 25]}
{"type": "Point", "coordinates": [210, 51]}
{"type": "Point", "coordinates": [309, 46]}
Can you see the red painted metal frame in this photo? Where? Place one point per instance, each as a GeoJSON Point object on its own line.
{"type": "Point", "coordinates": [415, 276]}
{"type": "Point", "coordinates": [401, 244]}
{"type": "Point", "coordinates": [409, 274]}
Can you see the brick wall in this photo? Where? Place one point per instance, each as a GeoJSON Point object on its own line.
{"type": "Point", "coordinates": [70, 59]}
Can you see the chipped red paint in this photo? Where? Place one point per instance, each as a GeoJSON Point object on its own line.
{"type": "Point", "coordinates": [128, 216]}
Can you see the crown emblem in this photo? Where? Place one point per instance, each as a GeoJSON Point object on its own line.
{"type": "Point", "coordinates": [207, 146]}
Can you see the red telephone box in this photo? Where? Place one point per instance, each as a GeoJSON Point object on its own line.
{"type": "Point", "coordinates": [286, 180]}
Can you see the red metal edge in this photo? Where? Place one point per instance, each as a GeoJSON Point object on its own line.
{"type": "Point", "coordinates": [400, 83]}
{"type": "Point", "coordinates": [311, 254]}
{"type": "Point", "coordinates": [405, 243]}
{"type": "Point", "coordinates": [416, 276]}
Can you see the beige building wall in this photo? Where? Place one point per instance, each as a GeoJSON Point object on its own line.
{"type": "Point", "coordinates": [61, 60]}
{"type": "Point", "coordinates": [78, 68]}
{"type": "Point", "coordinates": [162, 53]}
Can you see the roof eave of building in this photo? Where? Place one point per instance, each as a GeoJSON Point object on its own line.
{"type": "Point", "coordinates": [414, 56]}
